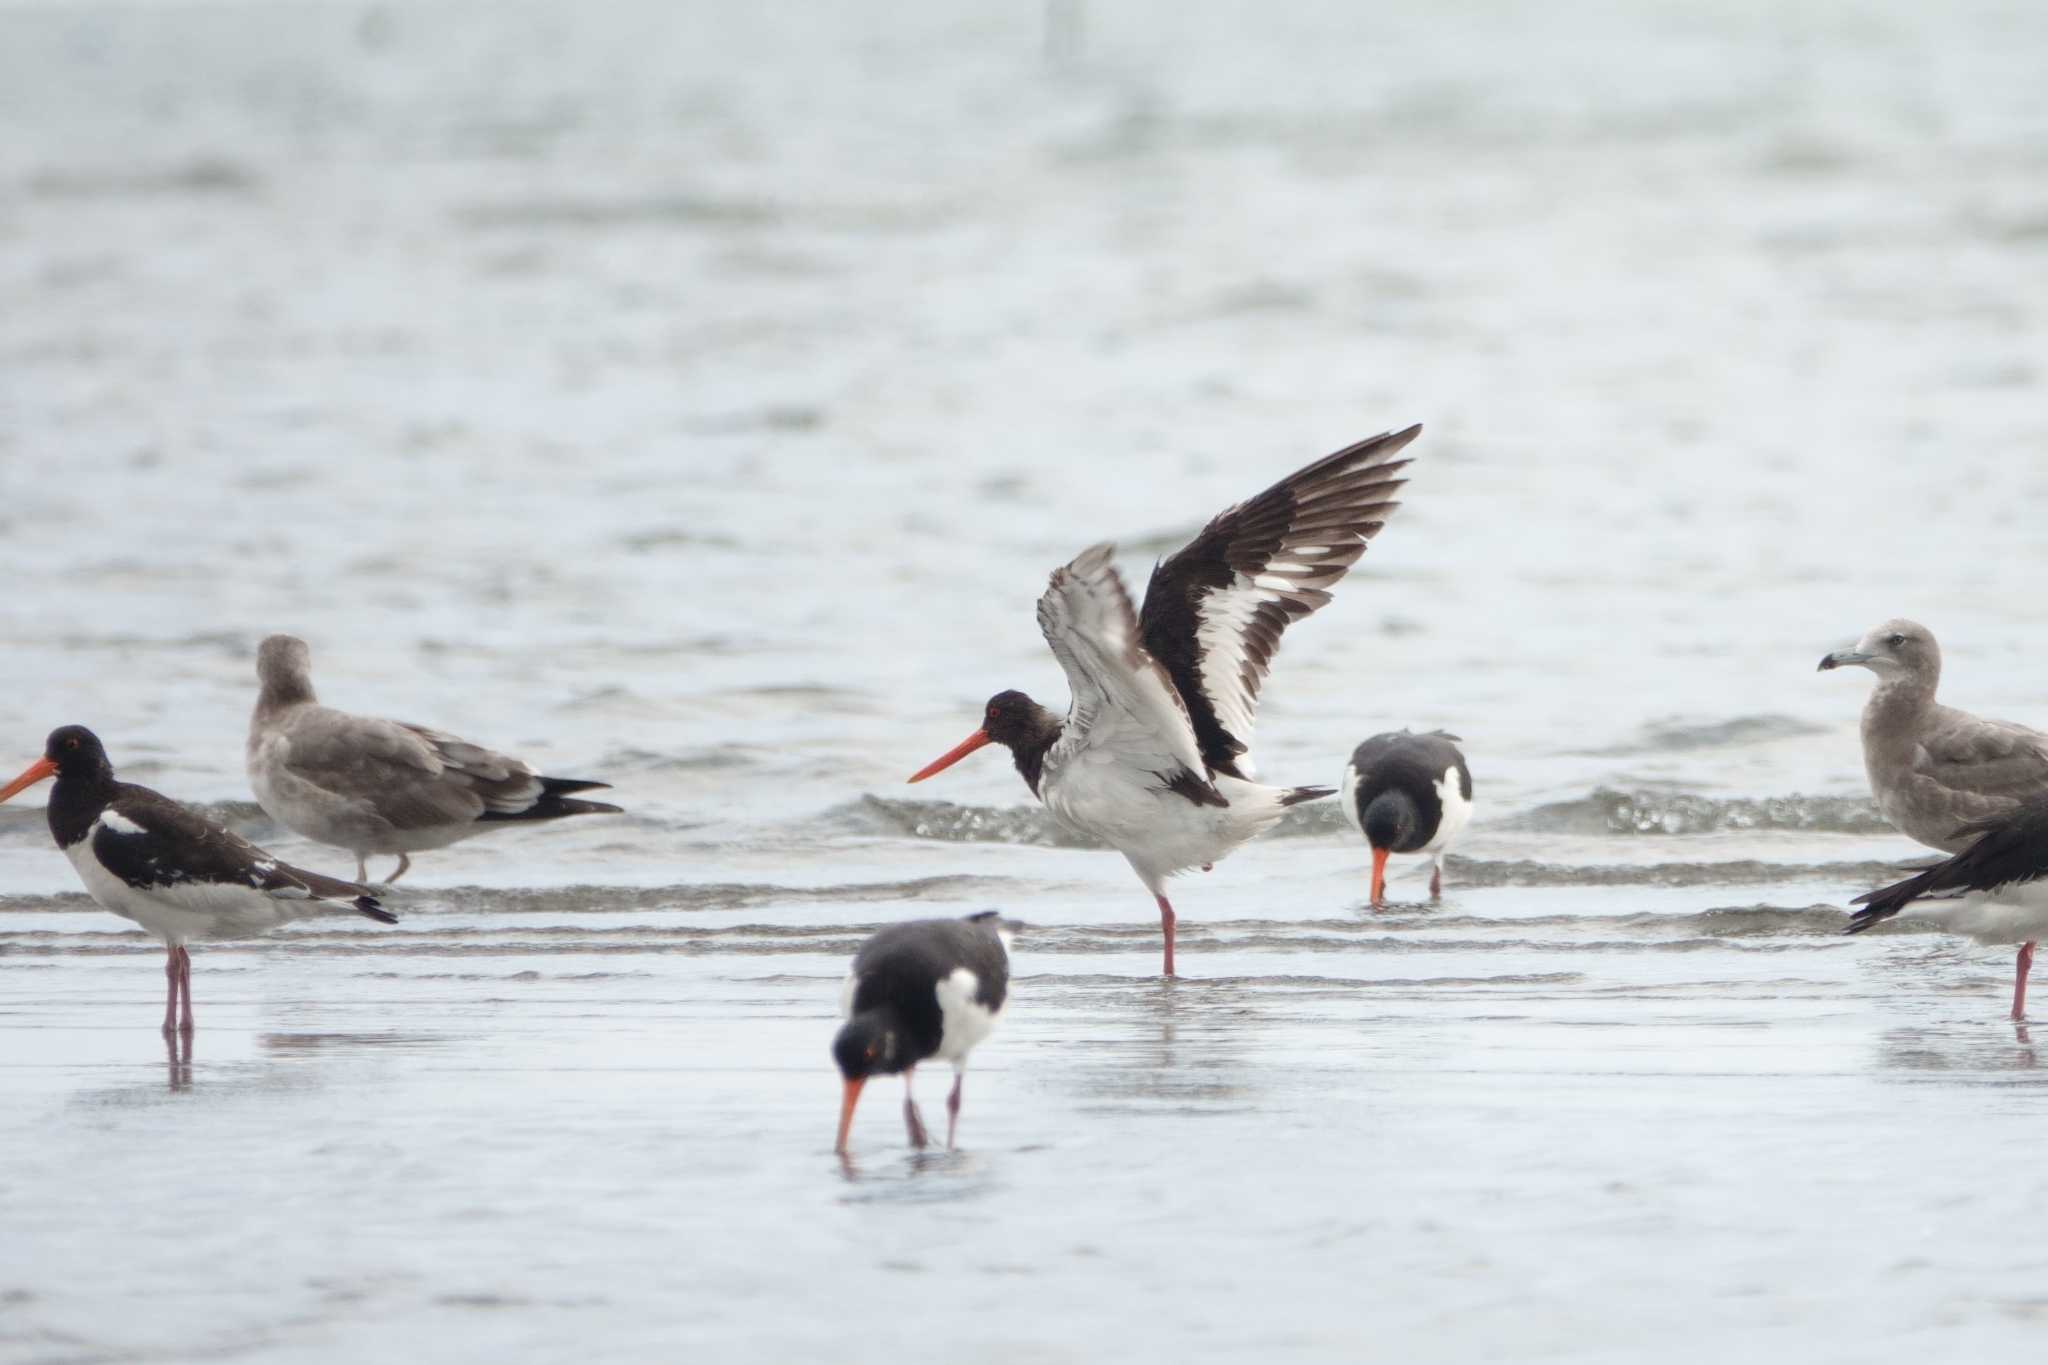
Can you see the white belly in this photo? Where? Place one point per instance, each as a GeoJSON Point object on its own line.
{"type": "Point", "coordinates": [1159, 831]}
{"type": "Point", "coordinates": [2017, 914]}
{"type": "Point", "coordinates": [1457, 813]}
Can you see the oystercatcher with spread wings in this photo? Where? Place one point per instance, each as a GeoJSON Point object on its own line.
{"type": "Point", "coordinates": [1154, 754]}
{"type": "Point", "coordinates": [169, 868]}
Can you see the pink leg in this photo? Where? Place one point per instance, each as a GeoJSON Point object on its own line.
{"type": "Point", "coordinates": [2019, 981]}
{"type": "Point", "coordinates": [185, 982]}
{"type": "Point", "coordinates": [912, 1120]}
{"type": "Point", "coordinates": [170, 990]}
{"type": "Point", "coordinates": [1166, 925]}
{"type": "Point", "coordinates": [1436, 883]}
{"type": "Point", "coordinates": [953, 1109]}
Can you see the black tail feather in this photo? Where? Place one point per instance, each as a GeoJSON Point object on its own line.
{"type": "Point", "coordinates": [562, 786]}
{"type": "Point", "coordinates": [372, 907]}
{"type": "Point", "coordinates": [1300, 794]}
{"type": "Point", "coordinates": [551, 806]}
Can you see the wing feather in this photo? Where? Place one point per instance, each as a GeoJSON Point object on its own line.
{"type": "Point", "coordinates": [1215, 610]}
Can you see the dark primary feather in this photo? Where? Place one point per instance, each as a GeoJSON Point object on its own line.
{"type": "Point", "coordinates": [901, 966]}
{"type": "Point", "coordinates": [2009, 850]}
{"type": "Point", "coordinates": [553, 804]}
{"type": "Point", "coordinates": [1316, 520]}
{"type": "Point", "coordinates": [177, 845]}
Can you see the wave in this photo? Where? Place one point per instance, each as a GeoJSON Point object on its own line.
{"type": "Point", "coordinates": [951, 822]}
{"type": "Point", "coordinates": [1607, 811]}
{"type": "Point", "coordinates": [1680, 735]}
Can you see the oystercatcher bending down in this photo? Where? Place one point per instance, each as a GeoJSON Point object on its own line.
{"type": "Point", "coordinates": [383, 786]}
{"type": "Point", "coordinates": [1408, 793]}
{"type": "Point", "coordinates": [1153, 756]}
{"type": "Point", "coordinates": [169, 868]}
{"type": "Point", "coordinates": [1995, 891]}
{"type": "Point", "coordinates": [929, 988]}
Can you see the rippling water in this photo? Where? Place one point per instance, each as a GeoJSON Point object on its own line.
{"type": "Point", "coordinates": [696, 397]}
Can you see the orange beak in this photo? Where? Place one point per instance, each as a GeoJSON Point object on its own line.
{"type": "Point", "coordinates": [35, 773]}
{"type": "Point", "coordinates": [846, 1111]}
{"type": "Point", "coordinates": [1379, 876]}
{"type": "Point", "coordinates": [952, 755]}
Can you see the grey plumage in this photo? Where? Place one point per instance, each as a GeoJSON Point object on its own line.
{"type": "Point", "coordinates": [372, 785]}
{"type": "Point", "coordinates": [1937, 773]}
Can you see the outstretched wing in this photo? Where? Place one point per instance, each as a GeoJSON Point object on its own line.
{"type": "Point", "coordinates": [1124, 705]}
{"type": "Point", "coordinates": [1214, 611]}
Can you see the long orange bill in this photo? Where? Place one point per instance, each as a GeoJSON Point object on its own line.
{"type": "Point", "coordinates": [35, 773]}
{"type": "Point", "coordinates": [1379, 876]}
{"type": "Point", "coordinates": [846, 1111]}
{"type": "Point", "coordinates": [952, 755]}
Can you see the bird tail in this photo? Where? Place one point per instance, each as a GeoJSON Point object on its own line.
{"type": "Point", "coordinates": [352, 894]}
{"type": "Point", "coordinates": [1294, 796]}
{"type": "Point", "coordinates": [554, 803]}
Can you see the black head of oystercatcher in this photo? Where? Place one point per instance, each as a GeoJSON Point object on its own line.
{"type": "Point", "coordinates": [169, 868]}
{"type": "Point", "coordinates": [1995, 891]}
{"type": "Point", "coordinates": [371, 785]}
{"type": "Point", "coordinates": [928, 988]}
{"type": "Point", "coordinates": [1408, 793]}
{"type": "Point", "coordinates": [1153, 756]}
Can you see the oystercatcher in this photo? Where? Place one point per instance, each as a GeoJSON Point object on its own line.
{"type": "Point", "coordinates": [1995, 891]}
{"type": "Point", "coordinates": [169, 868]}
{"type": "Point", "coordinates": [928, 988]}
{"type": "Point", "coordinates": [382, 786]}
{"type": "Point", "coordinates": [1408, 793]}
{"type": "Point", "coordinates": [1153, 756]}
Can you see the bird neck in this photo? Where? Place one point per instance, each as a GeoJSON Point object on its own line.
{"type": "Point", "coordinates": [1895, 703]}
{"type": "Point", "coordinates": [1030, 743]}
{"type": "Point", "coordinates": [76, 802]}
{"type": "Point", "coordinates": [284, 690]}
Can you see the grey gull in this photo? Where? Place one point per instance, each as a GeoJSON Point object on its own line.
{"type": "Point", "coordinates": [382, 786]}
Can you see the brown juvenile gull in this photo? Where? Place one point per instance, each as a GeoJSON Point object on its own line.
{"type": "Point", "coordinates": [371, 785]}
{"type": "Point", "coordinates": [1942, 776]}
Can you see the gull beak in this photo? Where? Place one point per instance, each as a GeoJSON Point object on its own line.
{"type": "Point", "coordinates": [846, 1105]}
{"type": "Point", "coordinates": [952, 755]}
{"type": "Point", "coordinates": [1843, 658]}
{"type": "Point", "coordinates": [34, 773]}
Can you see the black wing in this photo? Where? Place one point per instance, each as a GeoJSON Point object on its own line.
{"type": "Point", "coordinates": [1214, 611]}
{"type": "Point", "coordinates": [148, 840]}
{"type": "Point", "coordinates": [2009, 850]}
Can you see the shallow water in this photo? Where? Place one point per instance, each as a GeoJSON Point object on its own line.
{"type": "Point", "coordinates": [697, 400]}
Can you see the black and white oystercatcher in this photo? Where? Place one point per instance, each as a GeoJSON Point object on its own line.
{"type": "Point", "coordinates": [169, 868]}
{"type": "Point", "coordinates": [1153, 756]}
{"type": "Point", "coordinates": [1942, 776]}
{"type": "Point", "coordinates": [382, 786]}
{"type": "Point", "coordinates": [1995, 891]}
{"type": "Point", "coordinates": [928, 988]}
{"type": "Point", "coordinates": [1408, 793]}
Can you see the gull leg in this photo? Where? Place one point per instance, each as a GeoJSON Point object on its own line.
{"type": "Point", "coordinates": [404, 866]}
{"type": "Point", "coordinates": [185, 982]}
{"type": "Point", "coordinates": [1166, 920]}
{"type": "Point", "coordinates": [362, 869]}
{"type": "Point", "coordinates": [953, 1107]}
{"type": "Point", "coordinates": [912, 1120]}
{"type": "Point", "coordinates": [2019, 980]}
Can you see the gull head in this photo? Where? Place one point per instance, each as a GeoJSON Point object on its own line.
{"type": "Point", "coordinates": [1898, 650]}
